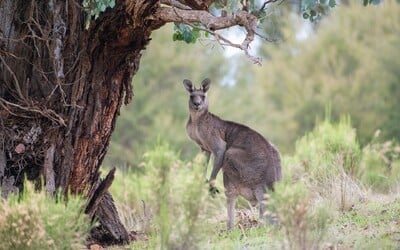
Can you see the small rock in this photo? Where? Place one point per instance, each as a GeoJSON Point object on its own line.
{"type": "Point", "coordinates": [95, 247]}
{"type": "Point", "coordinates": [20, 148]}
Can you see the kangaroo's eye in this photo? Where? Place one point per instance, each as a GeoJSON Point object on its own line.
{"type": "Point", "coordinates": [197, 97]}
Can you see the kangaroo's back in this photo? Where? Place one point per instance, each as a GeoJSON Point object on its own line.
{"type": "Point", "coordinates": [248, 153]}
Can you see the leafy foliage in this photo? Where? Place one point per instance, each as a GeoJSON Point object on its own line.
{"type": "Point", "coordinates": [304, 226]}
{"type": "Point", "coordinates": [175, 196]}
{"type": "Point", "coordinates": [339, 64]}
{"type": "Point", "coordinates": [366, 2]}
{"type": "Point", "coordinates": [315, 10]}
{"type": "Point", "coordinates": [95, 7]}
{"type": "Point", "coordinates": [36, 221]}
{"type": "Point", "coordinates": [328, 158]}
{"type": "Point", "coordinates": [184, 32]}
{"type": "Point", "coordinates": [333, 144]}
{"type": "Point", "coordinates": [380, 166]}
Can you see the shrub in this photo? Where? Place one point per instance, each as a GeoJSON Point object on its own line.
{"type": "Point", "coordinates": [175, 195]}
{"type": "Point", "coordinates": [380, 166]}
{"type": "Point", "coordinates": [179, 196]}
{"type": "Point", "coordinates": [327, 145]}
{"type": "Point", "coordinates": [304, 223]}
{"type": "Point", "coordinates": [330, 157]}
{"type": "Point", "coordinates": [35, 221]}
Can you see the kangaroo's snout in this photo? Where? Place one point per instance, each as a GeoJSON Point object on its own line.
{"type": "Point", "coordinates": [196, 101]}
{"type": "Point", "coordinates": [196, 105]}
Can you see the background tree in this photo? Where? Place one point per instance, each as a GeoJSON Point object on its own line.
{"type": "Point", "coordinates": [347, 63]}
{"type": "Point", "coordinates": [281, 99]}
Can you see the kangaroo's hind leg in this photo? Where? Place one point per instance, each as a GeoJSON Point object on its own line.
{"type": "Point", "coordinates": [259, 193]}
{"type": "Point", "coordinates": [261, 196]}
{"type": "Point", "coordinates": [231, 198]}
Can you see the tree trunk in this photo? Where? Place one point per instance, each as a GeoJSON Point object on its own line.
{"type": "Point", "coordinates": [61, 88]}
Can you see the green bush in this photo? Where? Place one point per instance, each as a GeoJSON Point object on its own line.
{"type": "Point", "coordinates": [168, 198]}
{"type": "Point", "coordinates": [328, 149]}
{"type": "Point", "coordinates": [36, 221]}
{"type": "Point", "coordinates": [180, 198]}
{"type": "Point", "coordinates": [304, 223]}
{"type": "Point", "coordinates": [380, 166]}
{"type": "Point", "coordinates": [329, 157]}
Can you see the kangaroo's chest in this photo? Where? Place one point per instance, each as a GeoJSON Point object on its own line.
{"type": "Point", "coordinates": [197, 134]}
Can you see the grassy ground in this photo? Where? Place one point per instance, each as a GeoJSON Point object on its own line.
{"type": "Point", "coordinates": [334, 195]}
{"type": "Point", "coordinates": [373, 223]}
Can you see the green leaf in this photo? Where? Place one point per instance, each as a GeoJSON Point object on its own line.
{"type": "Point", "coordinates": [324, 9]}
{"type": "Point", "coordinates": [112, 3]}
{"type": "Point", "coordinates": [332, 3]}
{"type": "Point", "coordinates": [195, 35]}
{"type": "Point", "coordinates": [307, 4]}
{"type": "Point", "coordinates": [102, 7]}
{"type": "Point", "coordinates": [187, 36]}
{"type": "Point", "coordinates": [185, 33]}
{"type": "Point", "coordinates": [177, 36]}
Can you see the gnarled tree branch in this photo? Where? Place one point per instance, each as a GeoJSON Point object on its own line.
{"type": "Point", "coordinates": [213, 23]}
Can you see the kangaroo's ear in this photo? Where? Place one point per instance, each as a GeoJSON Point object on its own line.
{"type": "Point", "coordinates": [188, 85]}
{"type": "Point", "coordinates": [205, 84]}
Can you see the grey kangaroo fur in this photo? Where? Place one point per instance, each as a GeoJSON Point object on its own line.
{"type": "Point", "coordinates": [250, 164]}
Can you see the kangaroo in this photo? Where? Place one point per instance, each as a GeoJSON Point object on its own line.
{"type": "Point", "coordinates": [250, 164]}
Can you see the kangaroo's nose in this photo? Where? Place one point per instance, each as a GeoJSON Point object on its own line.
{"type": "Point", "coordinates": [196, 103]}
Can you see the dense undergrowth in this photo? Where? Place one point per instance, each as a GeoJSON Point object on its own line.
{"type": "Point", "coordinates": [334, 194]}
{"type": "Point", "coordinates": [33, 220]}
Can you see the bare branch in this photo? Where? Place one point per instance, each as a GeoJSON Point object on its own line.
{"type": "Point", "coordinates": [176, 4]}
{"type": "Point", "coordinates": [48, 113]}
{"type": "Point", "coordinates": [16, 82]}
{"type": "Point", "coordinates": [167, 14]}
{"type": "Point", "coordinates": [227, 42]}
{"type": "Point", "coordinates": [213, 23]}
{"type": "Point", "coordinates": [267, 2]}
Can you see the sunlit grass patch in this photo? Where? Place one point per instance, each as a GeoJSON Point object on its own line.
{"type": "Point", "coordinates": [262, 237]}
{"type": "Point", "coordinates": [372, 225]}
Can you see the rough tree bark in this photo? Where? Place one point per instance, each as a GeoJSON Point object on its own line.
{"type": "Point", "coordinates": [62, 85]}
{"type": "Point", "coordinates": [61, 89]}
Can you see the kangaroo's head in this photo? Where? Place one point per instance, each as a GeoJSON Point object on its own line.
{"type": "Point", "coordinates": [198, 98]}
